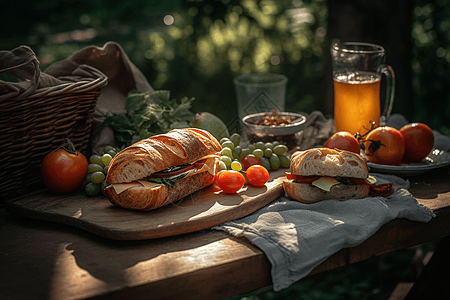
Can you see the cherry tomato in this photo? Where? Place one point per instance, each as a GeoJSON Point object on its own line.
{"type": "Point", "coordinates": [383, 190]}
{"type": "Point", "coordinates": [344, 141]}
{"type": "Point", "coordinates": [257, 175]}
{"type": "Point", "coordinates": [63, 170]}
{"type": "Point", "coordinates": [229, 181]}
{"type": "Point", "coordinates": [216, 177]}
{"type": "Point", "coordinates": [419, 141]}
{"type": "Point", "coordinates": [250, 160]}
{"type": "Point", "coordinates": [384, 145]}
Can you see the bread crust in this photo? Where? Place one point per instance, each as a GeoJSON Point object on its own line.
{"type": "Point", "coordinates": [307, 194]}
{"type": "Point", "coordinates": [177, 147]}
{"type": "Point", "coordinates": [328, 162]}
{"type": "Point", "coordinates": [142, 198]}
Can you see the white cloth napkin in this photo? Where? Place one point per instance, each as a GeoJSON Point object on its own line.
{"type": "Point", "coordinates": [297, 237]}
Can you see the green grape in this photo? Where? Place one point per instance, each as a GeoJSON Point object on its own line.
{"type": "Point", "coordinates": [265, 163]}
{"type": "Point", "coordinates": [112, 153]}
{"type": "Point", "coordinates": [226, 160]}
{"type": "Point", "coordinates": [236, 165]}
{"type": "Point", "coordinates": [228, 144]}
{"type": "Point", "coordinates": [258, 153]}
{"type": "Point", "coordinates": [106, 159]}
{"type": "Point", "coordinates": [252, 148]}
{"type": "Point", "coordinates": [280, 150]}
{"type": "Point", "coordinates": [285, 162]}
{"type": "Point", "coordinates": [260, 145]}
{"type": "Point", "coordinates": [245, 152]}
{"type": "Point", "coordinates": [268, 152]}
{"type": "Point", "coordinates": [223, 140]}
{"type": "Point", "coordinates": [274, 162]}
{"type": "Point", "coordinates": [97, 177]}
{"type": "Point", "coordinates": [236, 139]}
{"type": "Point", "coordinates": [275, 143]}
{"type": "Point", "coordinates": [95, 168]}
{"type": "Point", "coordinates": [92, 189]}
{"type": "Point", "coordinates": [105, 170]}
{"type": "Point", "coordinates": [108, 148]}
{"type": "Point", "coordinates": [96, 159]}
{"type": "Point", "coordinates": [103, 185]}
{"type": "Point", "coordinates": [227, 152]}
{"type": "Point", "coordinates": [269, 145]}
{"type": "Point", "coordinates": [222, 165]}
{"type": "Point", "coordinates": [237, 152]}
{"type": "Point", "coordinates": [87, 179]}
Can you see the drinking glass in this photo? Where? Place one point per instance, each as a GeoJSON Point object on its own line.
{"type": "Point", "coordinates": [261, 92]}
{"type": "Point", "coordinates": [357, 72]}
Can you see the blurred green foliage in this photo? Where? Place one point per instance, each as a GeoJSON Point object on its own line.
{"type": "Point", "coordinates": [431, 63]}
{"type": "Point", "coordinates": [194, 48]}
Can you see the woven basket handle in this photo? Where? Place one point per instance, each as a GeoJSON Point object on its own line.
{"type": "Point", "coordinates": [22, 63]}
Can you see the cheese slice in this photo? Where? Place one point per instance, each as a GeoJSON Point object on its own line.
{"type": "Point", "coordinates": [120, 187]}
{"type": "Point", "coordinates": [148, 184]}
{"type": "Point", "coordinates": [370, 180]}
{"type": "Point", "coordinates": [210, 166]}
{"type": "Point", "coordinates": [325, 183]}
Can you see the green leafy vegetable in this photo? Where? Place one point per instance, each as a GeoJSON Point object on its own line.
{"type": "Point", "coordinates": [344, 181]}
{"type": "Point", "coordinates": [169, 181]}
{"type": "Point", "coordinates": [174, 168]}
{"type": "Point", "coordinates": [143, 119]}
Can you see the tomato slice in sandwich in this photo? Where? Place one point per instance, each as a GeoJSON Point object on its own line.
{"type": "Point", "coordinates": [301, 179]}
{"type": "Point", "coordinates": [178, 170]}
{"type": "Point", "coordinates": [383, 190]}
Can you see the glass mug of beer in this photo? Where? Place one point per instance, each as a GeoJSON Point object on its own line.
{"type": "Point", "coordinates": [357, 72]}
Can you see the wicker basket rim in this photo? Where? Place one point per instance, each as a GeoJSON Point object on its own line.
{"type": "Point", "coordinates": [99, 80]}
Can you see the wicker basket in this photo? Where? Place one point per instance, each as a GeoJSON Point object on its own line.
{"type": "Point", "coordinates": [30, 128]}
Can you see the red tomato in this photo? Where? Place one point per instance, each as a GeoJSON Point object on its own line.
{"type": "Point", "coordinates": [257, 175]}
{"type": "Point", "coordinates": [344, 141]}
{"type": "Point", "coordinates": [216, 177]}
{"type": "Point", "coordinates": [419, 141]}
{"type": "Point", "coordinates": [229, 181]}
{"type": "Point", "coordinates": [64, 169]}
{"type": "Point", "coordinates": [384, 145]}
{"type": "Point", "coordinates": [250, 160]}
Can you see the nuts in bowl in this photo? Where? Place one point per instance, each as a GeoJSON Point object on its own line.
{"type": "Point", "coordinates": [274, 126]}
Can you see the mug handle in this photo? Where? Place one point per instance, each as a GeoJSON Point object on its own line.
{"type": "Point", "coordinates": [390, 91]}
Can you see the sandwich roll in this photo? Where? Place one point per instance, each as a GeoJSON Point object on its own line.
{"type": "Point", "coordinates": [321, 173]}
{"type": "Point", "coordinates": [310, 194]}
{"type": "Point", "coordinates": [162, 169]}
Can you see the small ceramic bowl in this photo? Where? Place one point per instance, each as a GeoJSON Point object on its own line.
{"type": "Point", "coordinates": [265, 133]}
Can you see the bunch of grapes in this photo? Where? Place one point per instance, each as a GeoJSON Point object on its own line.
{"type": "Point", "coordinates": [272, 156]}
{"type": "Point", "coordinates": [97, 170]}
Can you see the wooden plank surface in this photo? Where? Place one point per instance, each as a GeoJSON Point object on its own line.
{"type": "Point", "coordinates": [201, 210]}
{"type": "Point", "coordinates": [67, 262]}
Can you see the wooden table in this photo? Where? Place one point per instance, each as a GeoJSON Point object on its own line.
{"type": "Point", "coordinates": [45, 260]}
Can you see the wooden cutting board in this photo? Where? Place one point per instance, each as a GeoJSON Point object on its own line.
{"type": "Point", "coordinates": [201, 210]}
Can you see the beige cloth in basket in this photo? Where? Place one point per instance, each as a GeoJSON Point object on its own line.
{"type": "Point", "coordinates": [123, 76]}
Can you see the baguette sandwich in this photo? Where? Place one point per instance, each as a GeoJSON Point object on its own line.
{"type": "Point", "coordinates": [162, 169]}
{"type": "Point", "coordinates": [322, 173]}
